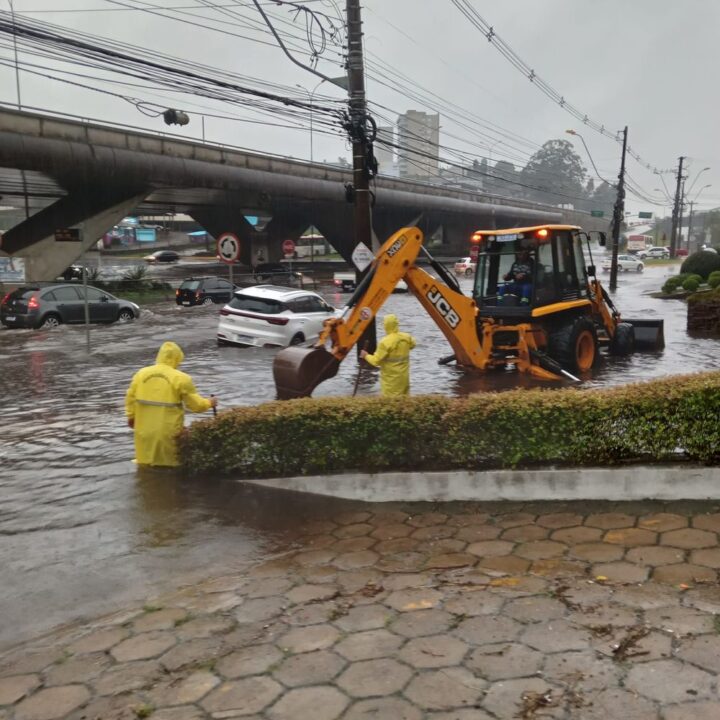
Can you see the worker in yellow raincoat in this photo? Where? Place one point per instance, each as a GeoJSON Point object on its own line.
{"type": "Point", "coordinates": [393, 358]}
{"type": "Point", "coordinates": [155, 407]}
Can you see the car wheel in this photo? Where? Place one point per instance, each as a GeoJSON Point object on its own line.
{"type": "Point", "coordinates": [639, 268]}
{"type": "Point", "coordinates": [51, 320]}
{"type": "Point", "coordinates": [297, 339]}
{"type": "Point", "coordinates": [207, 301]}
{"type": "Point", "coordinates": [125, 315]}
{"type": "Point", "coordinates": [468, 272]}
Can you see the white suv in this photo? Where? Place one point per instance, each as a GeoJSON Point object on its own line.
{"type": "Point", "coordinates": [271, 315]}
{"type": "Point", "coordinates": [654, 252]}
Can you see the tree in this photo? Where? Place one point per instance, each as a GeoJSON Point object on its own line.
{"type": "Point", "coordinates": [604, 199]}
{"type": "Point", "coordinates": [555, 175]}
{"type": "Point", "coordinates": [502, 178]}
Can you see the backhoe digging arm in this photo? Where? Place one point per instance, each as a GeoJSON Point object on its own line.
{"type": "Point", "coordinates": [298, 371]}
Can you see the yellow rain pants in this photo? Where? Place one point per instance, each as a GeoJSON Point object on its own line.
{"type": "Point", "coordinates": [393, 358]}
{"type": "Point", "coordinates": [156, 401]}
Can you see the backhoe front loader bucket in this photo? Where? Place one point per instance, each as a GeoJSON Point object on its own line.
{"type": "Point", "coordinates": [298, 371]}
{"type": "Point", "coordinates": [649, 334]}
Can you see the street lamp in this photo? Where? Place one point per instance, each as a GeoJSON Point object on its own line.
{"type": "Point", "coordinates": [696, 179]}
{"type": "Point", "coordinates": [311, 97]}
{"type": "Point", "coordinates": [587, 150]}
{"type": "Point", "coordinates": [492, 147]}
{"type": "Point", "coordinates": [619, 208]}
{"type": "Point", "coordinates": [691, 203]}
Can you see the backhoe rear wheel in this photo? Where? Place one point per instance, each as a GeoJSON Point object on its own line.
{"type": "Point", "coordinates": [574, 345]}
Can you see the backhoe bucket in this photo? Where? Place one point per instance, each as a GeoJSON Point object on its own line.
{"type": "Point", "coordinates": [649, 334]}
{"type": "Point", "coordinates": [298, 371]}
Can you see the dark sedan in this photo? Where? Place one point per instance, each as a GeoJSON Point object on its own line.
{"type": "Point", "coordinates": [162, 256]}
{"type": "Point", "coordinates": [51, 305]}
{"type": "Point", "coordinates": [204, 291]}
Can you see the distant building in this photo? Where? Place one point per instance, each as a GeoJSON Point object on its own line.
{"type": "Point", "coordinates": [418, 140]}
{"type": "Point", "coordinates": [384, 150]}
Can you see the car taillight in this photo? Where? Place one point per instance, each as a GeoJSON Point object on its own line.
{"type": "Point", "coordinates": [177, 293]}
{"type": "Point", "coordinates": [197, 295]}
{"type": "Point", "coordinates": [278, 321]}
{"type": "Point", "coordinates": [5, 299]}
{"type": "Point", "coordinates": [33, 303]}
{"type": "Point", "coordinates": [337, 283]}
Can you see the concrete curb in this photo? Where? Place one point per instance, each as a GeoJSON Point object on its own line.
{"type": "Point", "coordinates": [634, 482]}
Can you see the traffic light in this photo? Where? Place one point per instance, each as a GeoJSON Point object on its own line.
{"type": "Point", "coordinates": [175, 117]}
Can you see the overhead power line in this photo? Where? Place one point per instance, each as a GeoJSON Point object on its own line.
{"type": "Point", "coordinates": [467, 9]}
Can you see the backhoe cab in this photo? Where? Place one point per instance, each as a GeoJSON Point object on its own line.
{"type": "Point", "coordinates": [536, 306]}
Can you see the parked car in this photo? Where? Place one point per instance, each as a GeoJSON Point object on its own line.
{"type": "Point", "coordinates": [277, 274]}
{"type": "Point", "coordinates": [204, 291]}
{"type": "Point", "coordinates": [465, 266]}
{"type": "Point", "coordinates": [654, 252]}
{"type": "Point", "coordinates": [162, 256]}
{"type": "Point", "coordinates": [346, 282]}
{"type": "Point", "coordinates": [32, 306]}
{"type": "Point", "coordinates": [73, 272]}
{"type": "Point", "coordinates": [684, 252]}
{"type": "Point", "coordinates": [626, 263]}
{"type": "Point", "coordinates": [271, 315]}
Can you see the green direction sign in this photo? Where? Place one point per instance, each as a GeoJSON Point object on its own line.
{"type": "Point", "coordinates": [645, 215]}
{"type": "Point", "coordinates": [597, 213]}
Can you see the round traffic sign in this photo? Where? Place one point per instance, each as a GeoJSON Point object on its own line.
{"type": "Point", "coordinates": [228, 248]}
{"type": "Point", "coordinates": [288, 247]}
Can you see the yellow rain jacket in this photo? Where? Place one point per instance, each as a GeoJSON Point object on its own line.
{"type": "Point", "coordinates": [156, 400]}
{"type": "Point", "coordinates": [393, 358]}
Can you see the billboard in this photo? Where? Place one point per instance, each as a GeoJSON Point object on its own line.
{"type": "Point", "coordinates": [12, 269]}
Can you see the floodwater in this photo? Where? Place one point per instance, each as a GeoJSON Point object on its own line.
{"type": "Point", "coordinates": [82, 532]}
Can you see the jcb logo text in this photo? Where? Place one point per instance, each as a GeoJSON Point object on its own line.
{"type": "Point", "coordinates": [443, 307]}
{"type": "Point", "coordinates": [396, 246]}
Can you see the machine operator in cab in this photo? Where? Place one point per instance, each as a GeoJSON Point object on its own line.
{"type": "Point", "coordinates": [519, 280]}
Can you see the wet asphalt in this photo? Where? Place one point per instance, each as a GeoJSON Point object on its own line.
{"type": "Point", "coordinates": [81, 531]}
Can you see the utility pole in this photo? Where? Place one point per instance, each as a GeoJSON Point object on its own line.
{"type": "Point", "coordinates": [676, 209]}
{"type": "Point", "coordinates": [618, 215]}
{"type": "Point", "coordinates": [360, 146]}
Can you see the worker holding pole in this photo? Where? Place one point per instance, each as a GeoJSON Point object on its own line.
{"type": "Point", "coordinates": [393, 358]}
{"type": "Point", "coordinates": [155, 407]}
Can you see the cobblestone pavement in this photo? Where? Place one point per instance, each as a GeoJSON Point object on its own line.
{"type": "Point", "coordinates": [461, 612]}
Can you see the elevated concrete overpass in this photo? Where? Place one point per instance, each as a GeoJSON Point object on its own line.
{"type": "Point", "coordinates": [68, 173]}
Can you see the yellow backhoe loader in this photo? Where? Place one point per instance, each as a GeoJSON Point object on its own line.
{"type": "Point", "coordinates": [549, 321]}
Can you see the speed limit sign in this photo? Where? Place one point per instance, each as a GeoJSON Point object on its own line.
{"type": "Point", "coordinates": [228, 248]}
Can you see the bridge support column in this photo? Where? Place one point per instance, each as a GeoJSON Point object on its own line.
{"type": "Point", "coordinates": [256, 246]}
{"type": "Point", "coordinates": [92, 213]}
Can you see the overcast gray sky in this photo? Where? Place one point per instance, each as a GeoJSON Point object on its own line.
{"type": "Point", "coordinates": [649, 64]}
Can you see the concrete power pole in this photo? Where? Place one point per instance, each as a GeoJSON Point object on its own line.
{"type": "Point", "coordinates": [361, 145]}
{"type": "Point", "coordinates": [618, 215]}
{"type": "Point", "coordinates": [676, 209]}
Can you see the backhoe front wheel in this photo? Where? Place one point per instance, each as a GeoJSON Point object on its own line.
{"type": "Point", "coordinates": [574, 345]}
{"type": "Point", "coordinates": [623, 342]}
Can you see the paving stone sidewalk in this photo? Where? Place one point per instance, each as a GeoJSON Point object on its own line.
{"type": "Point", "coordinates": [461, 612]}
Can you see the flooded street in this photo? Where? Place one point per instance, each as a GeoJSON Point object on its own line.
{"type": "Point", "coordinates": [81, 531]}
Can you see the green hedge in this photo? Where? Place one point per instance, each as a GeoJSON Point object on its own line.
{"type": "Point", "coordinates": [649, 421]}
{"type": "Point", "coordinates": [701, 263]}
